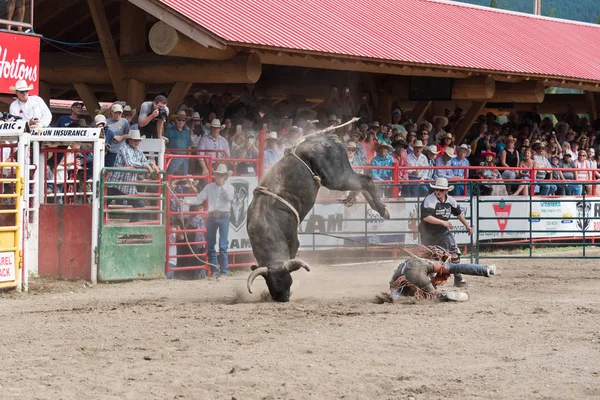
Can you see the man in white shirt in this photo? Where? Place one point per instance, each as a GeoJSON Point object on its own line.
{"type": "Point", "coordinates": [219, 195]}
{"type": "Point", "coordinates": [31, 108]}
{"type": "Point", "coordinates": [416, 159]}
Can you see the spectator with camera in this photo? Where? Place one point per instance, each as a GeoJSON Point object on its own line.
{"type": "Point", "coordinates": [153, 116]}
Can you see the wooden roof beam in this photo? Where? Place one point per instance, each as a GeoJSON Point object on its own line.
{"type": "Point", "coordinates": [87, 96]}
{"type": "Point", "coordinates": [115, 69]}
{"type": "Point", "coordinates": [465, 124]}
{"type": "Point", "coordinates": [479, 87]}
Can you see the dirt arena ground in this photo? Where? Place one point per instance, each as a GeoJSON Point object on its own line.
{"type": "Point", "coordinates": [533, 331]}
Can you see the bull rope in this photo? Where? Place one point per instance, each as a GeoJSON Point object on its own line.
{"type": "Point", "coordinates": [264, 190]}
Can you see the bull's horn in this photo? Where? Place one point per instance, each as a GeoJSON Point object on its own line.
{"type": "Point", "coordinates": [295, 265]}
{"type": "Point", "coordinates": [258, 271]}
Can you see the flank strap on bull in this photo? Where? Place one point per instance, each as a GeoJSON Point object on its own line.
{"type": "Point", "coordinates": [264, 190]}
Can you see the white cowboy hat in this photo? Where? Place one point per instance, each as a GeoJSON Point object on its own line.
{"type": "Point", "coordinates": [375, 124]}
{"type": "Point", "coordinates": [215, 123]}
{"type": "Point", "coordinates": [418, 143]}
{"type": "Point", "coordinates": [466, 147]}
{"type": "Point", "coordinates": [351, 145]}
{"type": "Point", "coordinates": [429, 126]}
{"type": "Point", "coordinates": [222, 170]}
{"type": "Point", "coordinates": [128, 109]}
{"type": "Point", "coordinates": [450, 152]}
{"type": "Point", "coordinates": [134, 134]}
{"type": "Point", "coordinates": [441, 184]}
{"type": "Point", "coordinates": [271, 136]}
{"type": "Point", "coordinates": [332, 118]}
{"type": "Point", "coordinates": [196, 116]}
{"type": "Point", "coordinates": [117, 108]}
{"type": "Point", "coordinates": [21, 86]}
{"type": "Point", "coordinates": [432, 149]}
{"type": "Point", "coordinates": [442, 117]}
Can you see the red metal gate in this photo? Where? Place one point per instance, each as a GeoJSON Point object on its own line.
{"type": "Point", "coordinates": [65, 213]}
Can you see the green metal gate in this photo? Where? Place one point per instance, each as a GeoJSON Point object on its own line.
{"type": "Point", "coordinates": [132, 250]}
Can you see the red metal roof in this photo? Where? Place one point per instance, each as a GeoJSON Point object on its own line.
{"type": "Point", "coordinates": [414, 31]}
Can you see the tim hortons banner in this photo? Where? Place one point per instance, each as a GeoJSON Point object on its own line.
{"type": "Point", "coordinates": [19, 59]}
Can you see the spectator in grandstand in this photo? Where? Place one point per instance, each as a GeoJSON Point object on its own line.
{"type": "Point", "coordinates": [400, 157]}
{"type": "Point", "coordinates": [431, 154]}
{"type": "Point", "coordinates": [130, 156]}
{"type": "Point", "coordinates": [541, 161]}
{"type": "Point", "coordinates": [353, 157]}
{"type": "Point", "coordinates": [424, 137]}
{"type": "Point", "coordinates": [195, 127]}
{"type": "Point", "coordinates": [439, 122]}
{"type": "Point", "coordinates": [461, 174]}
{"type": "Point", "coordinates": [416, 159]}
{"type": "Point", "coordinates": [360, 148]}
{"type": "Point", "coordinates": [385, 135]}
{"type": "Point", "coordinates": [272, 153]}
{"type": "Point", "coordinates": [396, 117]}
{"type": "Point", "coordinates": [481, 143]}
{"type": "Point", "coordinates": [583, 172]}
{"type": "Point", "coordinates": [249, 151]}
{"type": "Point", "coordinates": [411, 139]}
{"type": "Point", "coordinates": [445, 142]}
{"type": "Point", "coordinates": [525, 174]}
{"type": "Point", "coordinates": [490, 172]}
{"type": "Point", "coordinates": [153, 117]}
{"type": "Point", "coordinates": [369, 145]}
{"type": "Point", "coordinates": [444, 159]}
{"type": "Point", "coordinates": [219, 195]}
{"type": "Point", "coordinates": [32, 109]}
{"type": "Point", "coordinates": [178, 138]}
{"type": "Point", "coordinates": [557, 175]}
{"type": "Point", "coordinates": [213, 145]}
{"type": "Point", "coordinates": [116, 128]}
{"type": "Point", "coordinates": [572, 188]}
{"type": "Point", "coordinates": [129, 114]}
{"type": "Point", "coordinates": [66, 120]}
{"type": "Point", "coordinates": [435, 227]}
{"type": "Point", "coordinates": [383, 159]}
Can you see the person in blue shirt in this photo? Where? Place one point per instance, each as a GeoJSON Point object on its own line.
{"type": "Point", "coordinates": [73, 118]}
{"type": "Point", "coordinates": [383, 159]}
{"type": "Point", "coordinates": [178, 137]}
{"type": "Point", "coordinates": [461, 174]}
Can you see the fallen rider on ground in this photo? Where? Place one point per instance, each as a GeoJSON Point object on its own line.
{"type": "Point", "coordinates": [419, 277]}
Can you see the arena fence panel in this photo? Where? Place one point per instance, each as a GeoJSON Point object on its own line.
{"type": "Point", "coordinates": [132, 226]}
{"type": "Point", "coordinates": [10, 226]}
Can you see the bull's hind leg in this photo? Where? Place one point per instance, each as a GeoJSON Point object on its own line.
{"type": "Point", "coordinates": [363, 183]}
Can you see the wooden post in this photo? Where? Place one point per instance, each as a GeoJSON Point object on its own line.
{"type": "Point", "coordinates": [115, 69]}
{"type": "Point", "coordinates": [88, 97]}
{"type": "Point", "coordinates": [166, 41]}
{"type": "Point", "coordinates": [419, 110]}
{"type": "Point", "coordinates": [44, 92]}
{"type": "Point", "coordinates": [465, 124]}
{"type": "Point", "coordinates": [592, 105]}
{"type": "Point", "coordinates": [180, 89]}
{"type": "Point", "coordinates": [132, 43]}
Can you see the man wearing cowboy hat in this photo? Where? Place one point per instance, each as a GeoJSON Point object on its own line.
{"type": "Point", "coordinates": [219, 195]}
{"type": "Point", "coordinates": [31, 109]}
{"type": "Point", "coordinates": [439, 122]}
{"type": "Point", "coordinates": [458, 163]}
{"type": "Point", "coordinates": [129, 113]}
{"type": "Point", "coordinates": [416, 159]}
{"type": "Point", "coordinates": [445, 160]}
{"type": "Point", "coordinates": [213, 145]}
{"type": "Point", "coordinates": [431, 153]}
{"type": "Point", "coordinates": [435, 227]}
{"type": "Point", "coordinates": [272, 153]}
{"type": "Point", "coordinates": [66, 120]}
{"type": "Point", "coordinates": [130, 156]}
{"type": "Point", "coordinates": [178, 138]}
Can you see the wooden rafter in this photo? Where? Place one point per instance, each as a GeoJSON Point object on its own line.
{"type": "Point", "coordinates": [115, 69]}
{"type": "Point", "coordinates": [87, 96]}
{"type": "Point", "coordinates": [465, 124]}
{"type": "Point", "coordinates": [180, 89]}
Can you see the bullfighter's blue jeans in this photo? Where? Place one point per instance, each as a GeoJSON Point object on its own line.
{"type": "Point", "coordinates": [220, 224]}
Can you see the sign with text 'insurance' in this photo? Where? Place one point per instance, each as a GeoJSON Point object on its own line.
{"type": "Point", "coordinates": [19, 59]}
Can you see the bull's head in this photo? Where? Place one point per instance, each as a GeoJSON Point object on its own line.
{"type": "Point", "coordinates": [279, 279]}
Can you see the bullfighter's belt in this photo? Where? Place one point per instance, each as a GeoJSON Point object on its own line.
{"type": "Point", "coordinates": [218, 214]}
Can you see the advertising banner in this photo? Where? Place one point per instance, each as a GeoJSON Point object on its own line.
{"type": "Point", "coordinates": [19, 59]}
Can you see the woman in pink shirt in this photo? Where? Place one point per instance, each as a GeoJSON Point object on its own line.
{"type": "Point", "coordinates": [581, 164]}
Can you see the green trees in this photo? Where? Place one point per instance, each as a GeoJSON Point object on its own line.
{"type": "Point", "coordinates": [577, 10]}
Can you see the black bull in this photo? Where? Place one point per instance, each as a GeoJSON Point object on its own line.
{"type": "Point", "coordinates": [272, 225]}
